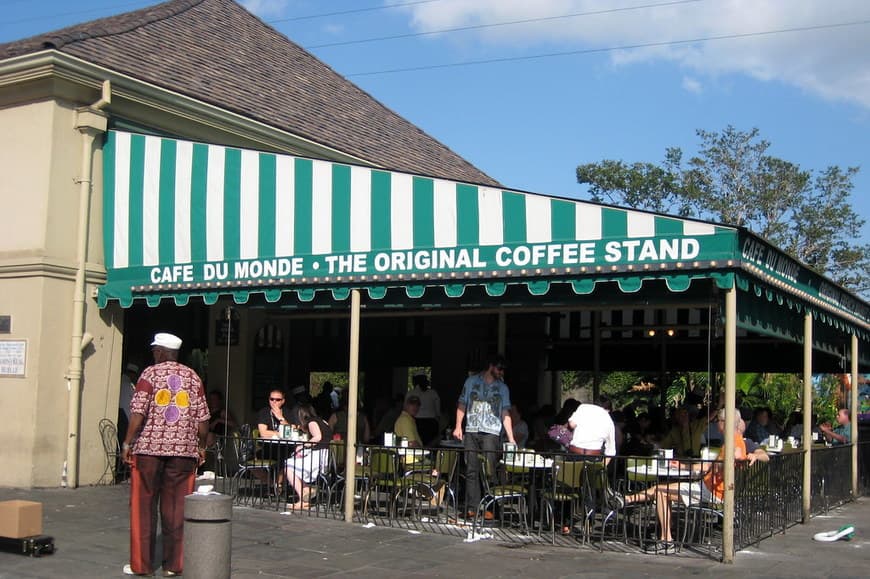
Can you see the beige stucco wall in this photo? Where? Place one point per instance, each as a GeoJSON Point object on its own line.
{"type": "Point", "coordinates": [40, 158]}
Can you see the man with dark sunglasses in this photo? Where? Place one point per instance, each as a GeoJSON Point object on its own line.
{"type": "Point", "coordinates": [484, 404]}
{"type": "Point", "coordinates": [271, 418]}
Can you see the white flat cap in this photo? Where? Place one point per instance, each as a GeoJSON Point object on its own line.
{"type": "Point", "coordinates": [168, 341]}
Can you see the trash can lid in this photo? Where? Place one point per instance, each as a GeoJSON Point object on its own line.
{"type": "Point", "coordinates": [208, 507]}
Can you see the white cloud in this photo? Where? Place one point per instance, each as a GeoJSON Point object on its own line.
{"type": "Point", "coordinates": [692, 85]}
{"type": "Point", "coordinates": [831, 62]}
{"type": "Point", "coordinates": [333, 29]}
{"type": "Point", "coordinates": [265, 8]}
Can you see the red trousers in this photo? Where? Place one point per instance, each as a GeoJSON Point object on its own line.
{"type": "Point", "coordinates": [165, 480]}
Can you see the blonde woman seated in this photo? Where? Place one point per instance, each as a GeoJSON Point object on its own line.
{"type": "Point", "coordinates": [710, 489]}
{"type": "Point", "coordinates": [310, 458]}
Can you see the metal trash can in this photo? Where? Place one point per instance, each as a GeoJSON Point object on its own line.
{"type": "Point", "coordinates": [207, 536]}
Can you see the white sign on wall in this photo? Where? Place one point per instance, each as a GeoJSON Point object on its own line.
{"type": "Point", "coordinates": [13, 358]}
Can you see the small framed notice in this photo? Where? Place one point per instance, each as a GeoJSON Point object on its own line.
{"type": "Point", "coordinates": [13, 358]}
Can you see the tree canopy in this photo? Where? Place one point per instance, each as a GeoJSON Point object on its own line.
{"type": "Point", "coordinates": [733, 180]}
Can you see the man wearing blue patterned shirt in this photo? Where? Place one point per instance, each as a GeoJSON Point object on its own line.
{"type": "Point", "coordinates": [484, 404]}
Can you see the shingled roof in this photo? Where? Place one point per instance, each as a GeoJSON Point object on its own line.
{"type": "Point", "coordinates": [217, 52]}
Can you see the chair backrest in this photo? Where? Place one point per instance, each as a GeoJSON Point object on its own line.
{"type": "Point", "coordinates": [445, 463]}
{"type": "Point", "coordinates": [383, 464]}
{"type": "Point", "coordinates": [231, 452]}
{"type": "Point", "coordinates": [337, 453]}
{"type": "Point", "coordinates": [569, 474]}
{"type": "Point", "coordinates": [109, 436]}
{"type": "Point", "coordinates": [245, 445]}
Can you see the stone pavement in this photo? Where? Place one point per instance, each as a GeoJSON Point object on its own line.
{"type": "Point", "coordinates": [91, 530]}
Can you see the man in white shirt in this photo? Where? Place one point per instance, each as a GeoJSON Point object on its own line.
{"type": "Point", "coordinates": [594, 432]}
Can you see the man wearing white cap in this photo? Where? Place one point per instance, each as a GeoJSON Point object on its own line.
{"type": "Point", "coordinates": [169, 414]}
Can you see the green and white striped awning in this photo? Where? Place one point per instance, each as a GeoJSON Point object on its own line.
{"type": "Point", "coordinates": [184, 219]}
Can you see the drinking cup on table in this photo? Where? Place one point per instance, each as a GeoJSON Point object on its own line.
{"type": "Point", "coordinates": [389, 439]}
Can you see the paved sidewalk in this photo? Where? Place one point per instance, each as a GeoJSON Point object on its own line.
{"type": "Point", "coordinates": [91, 529]}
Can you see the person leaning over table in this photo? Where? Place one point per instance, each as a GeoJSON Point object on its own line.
{"type": "Point", "coordinates": [842, 433]}
{"type": "Point", "coordinates": [406, 425]}
{"type": "Point", "coordinates": [271, 418]}
{"type": "Point", "coordinates": [710, 489]}
{"type": "Point", "coordinates": [594, 433]}
{"type": "Point", "coordinates": [485, 401]}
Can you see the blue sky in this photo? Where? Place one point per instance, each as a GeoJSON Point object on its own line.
{"type": "Point", "coordinates": [528, 122]}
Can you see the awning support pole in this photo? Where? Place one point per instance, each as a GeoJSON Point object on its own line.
{"type": "Point", "coordinates": [730, 420]}
{"type": "Point", "coordinates": [853, 423]}
{"type": "Point", "coordinates": [352, 407]}
{"type": "Point", "coordinates": [807, 437]}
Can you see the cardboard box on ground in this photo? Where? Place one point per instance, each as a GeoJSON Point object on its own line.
{"type": "Point", "coordinates": [19, 519]}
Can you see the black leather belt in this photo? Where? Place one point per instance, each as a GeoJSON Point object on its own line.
{"type": "Point", "coordinates": [585, 451]}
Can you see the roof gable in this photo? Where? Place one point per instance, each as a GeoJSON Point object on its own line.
{"type": "Point", "coordinates": [217, 52]}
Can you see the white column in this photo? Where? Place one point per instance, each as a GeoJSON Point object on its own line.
{"type": "Point", "coordinates": [853, 423]}
{"type": "Point", "coordinates": [730, 420]}
{"type": "Point", "coordinates": [807, 436]}
{"type": "Point", "coordinates": [352, 406]}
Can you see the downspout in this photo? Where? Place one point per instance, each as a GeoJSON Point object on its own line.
{"type": "Point", "coordinates": [90, 122]}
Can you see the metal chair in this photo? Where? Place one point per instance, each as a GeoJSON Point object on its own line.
{"type": "Point", "coordinates": [247, 467]}
{"type": "Point", "coordinates": [510, 494]}
{"type": "Point", "coordinates": [382, 472]}
{"type": "Point", "coordinates": [109, 436]}
{"type": "Point", "coordinates": [567, 490]}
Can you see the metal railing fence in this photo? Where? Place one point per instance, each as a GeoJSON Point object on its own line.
{"type": "Point", "coordinates": [528, 497]}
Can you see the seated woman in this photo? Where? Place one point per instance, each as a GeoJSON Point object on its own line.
{"type": "Point", "coordinates": [710, 489]}
{"type": "Point", "coordinates": [310, 458]}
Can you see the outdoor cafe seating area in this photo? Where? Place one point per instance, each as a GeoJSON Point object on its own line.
{"type": "Point", "coordinates": [530, 496]}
